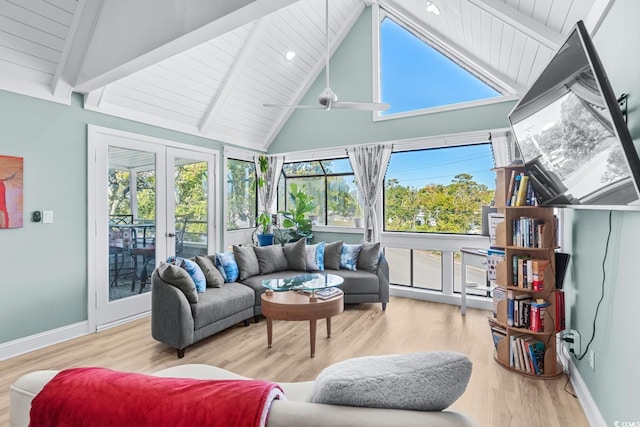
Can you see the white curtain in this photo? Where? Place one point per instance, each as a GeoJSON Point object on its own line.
{"type": "Point", "coordinates": [268, 193]}
{"type": "Point", "coordinates": [505, 150]}
{"type": "Point", "coordinates": [369, 163]}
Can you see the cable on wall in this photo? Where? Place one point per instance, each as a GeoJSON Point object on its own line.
{"type": "Point", "coordinates": [604, 275]}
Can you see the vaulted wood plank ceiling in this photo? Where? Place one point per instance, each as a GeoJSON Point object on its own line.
{"type": "Point", "coordinates": [206, 68]}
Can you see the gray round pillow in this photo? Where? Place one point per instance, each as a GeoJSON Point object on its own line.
{"type": "Point", "coordinates": [428, 381]}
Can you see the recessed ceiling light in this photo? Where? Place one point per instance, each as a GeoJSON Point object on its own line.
{"type": "Point", "coordinates": [432, 8]}
{"type": "Point", "coordinates": [289, 55]}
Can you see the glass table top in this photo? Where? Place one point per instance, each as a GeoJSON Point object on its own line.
{"type": "Point", "coordinates": [304, 282]}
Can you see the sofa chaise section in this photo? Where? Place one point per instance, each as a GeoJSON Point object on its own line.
{"type": "Point", "coordinates": [177, 322]}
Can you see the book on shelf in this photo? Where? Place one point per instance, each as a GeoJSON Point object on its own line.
{"type": "Point", "coordinates": [494, 219]}
{"type": "Point", "coordinates": [536, 315]}
{"type": "Point", "coordinates": [536, 351]}
{"type": "Point", "coordinates": [518, 309]}
{"type": "Point", "coordinates": [499, 294]}
{"type": "Point", "coordinates": [324, 293]}
{"type": "Point", "coordinates": [511, 185]}
{"type": "Point", "coordinates": [522, 190]}
{"type": "Point", "coordinates": [537, 273]}
{"type": "Point", "coordinates": [516, 187]}
{"type": "Point", "coordinates": [498, 331]}
{"type": "Point", "coordinates": [510, 304]}
{"type": "Point", "coordinates": [494, 256]}
{"type": "Point", "coordinates": [559, 305]}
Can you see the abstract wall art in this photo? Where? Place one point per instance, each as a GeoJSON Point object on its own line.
{"type": "Point", "coordinates": [11, 190]}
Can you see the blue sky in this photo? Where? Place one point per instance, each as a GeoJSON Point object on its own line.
{"type": "Point", "coordinates": [439, 166]}
{"type": "Point", "coordinates": [416, 76]}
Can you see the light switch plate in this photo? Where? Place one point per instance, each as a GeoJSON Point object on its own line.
{"type": "Point", "coordinates": [47, 217]}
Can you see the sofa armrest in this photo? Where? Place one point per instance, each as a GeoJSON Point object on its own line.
{"type": "Point", "coordinates": [171, 317]}
{"type": "Point", "coordinates": [383, 276]}
{"type": "Point", "coordinates": [22, 392]}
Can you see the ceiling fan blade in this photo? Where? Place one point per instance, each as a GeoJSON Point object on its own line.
{"type": "Point", "coordinates": [315, 107]}
{"type": "Point", "coordinates": [368, 106]}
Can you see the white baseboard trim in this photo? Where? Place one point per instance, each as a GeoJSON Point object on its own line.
{"type": "Point", "coordinates": [43, 339]}
{"type": "Point", "coordinates": [122, 321]}
{"type": "Point", "coordinates": [589, 406]}
{"type": "Point", "coordinates": [435, 296]}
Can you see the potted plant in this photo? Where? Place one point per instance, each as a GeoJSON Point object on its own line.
{"type": "Point", "coordinates": [265, 236]}
{"type": "Point", "coordinates": [296, 217]}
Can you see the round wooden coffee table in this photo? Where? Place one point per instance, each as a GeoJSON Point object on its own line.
{"type": "Point", "coordinates": [293, 305]}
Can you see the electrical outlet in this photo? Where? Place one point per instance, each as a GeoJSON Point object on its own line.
{"type": "Point", "coordinates": [592, 359]}
{"type": "Point", "coordinates": [574, 346]}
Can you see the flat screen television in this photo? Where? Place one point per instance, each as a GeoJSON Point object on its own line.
{"type": "Point", "coordinates": [572, 135]}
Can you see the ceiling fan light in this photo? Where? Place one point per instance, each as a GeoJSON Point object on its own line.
{"type": "Point", "coordinates": [289, 55]}
{"type": "Point", "coordinates": [433, 8]}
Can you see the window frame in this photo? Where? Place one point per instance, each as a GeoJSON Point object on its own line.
{"type": "Point", "coordinates": [325, 226]}
{"type": "Point", "coordinates": [227, 193]}
{"type": "Point", "coordinates": [379, 13]}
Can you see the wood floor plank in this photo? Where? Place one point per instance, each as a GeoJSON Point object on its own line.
{"type": "Point", "coordinates": [494, 396]}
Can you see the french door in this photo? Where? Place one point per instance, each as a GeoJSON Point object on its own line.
{"type": "Point", "coordinates": [148, 199]}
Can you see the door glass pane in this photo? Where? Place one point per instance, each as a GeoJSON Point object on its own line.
{"type": "Point", "coordinates": [131, 194]}
{"type": "Point", "coordinates": [191, 201]}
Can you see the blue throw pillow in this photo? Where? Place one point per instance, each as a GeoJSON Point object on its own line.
{"type": "Point", "coordinates": [349, 256]}
{"type": "Point", "coordinates": [226, 263]}
{"type": "Point", "coordinates": [314, 255]}
{"type": "Point", "coordinates": [193, 269]}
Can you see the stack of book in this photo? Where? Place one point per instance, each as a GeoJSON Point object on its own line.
{"type": "Point", "coordinates": [324, 293]}
{"type": "Point", "coordinates": [520, 191]}
{"type": "Point", "coordinates": [528, 273]}
{"type": "Point", "coordinates": [528, 232]}
{"type": "Point", "coordinates": [526, 354]}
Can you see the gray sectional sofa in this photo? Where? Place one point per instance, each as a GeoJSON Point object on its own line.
{"type": "Point", "coordinates": [182, 314]}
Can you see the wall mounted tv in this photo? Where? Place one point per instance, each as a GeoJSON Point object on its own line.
{"type": "Point", "coordinates": [572, 135]}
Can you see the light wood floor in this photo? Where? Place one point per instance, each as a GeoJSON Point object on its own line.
{"type": "Point", "coordinates": [494, 396]}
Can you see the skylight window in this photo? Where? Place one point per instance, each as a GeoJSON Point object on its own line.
{"type": "Point", "coordinates": [415, 76]}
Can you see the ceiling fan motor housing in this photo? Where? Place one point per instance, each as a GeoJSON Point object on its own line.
{"type": "Point", "coordinates": [326, 96]}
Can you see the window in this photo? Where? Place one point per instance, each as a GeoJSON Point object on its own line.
{"type": "Point", "coordinates": [439, 190]}
{"type": "Point", "coordinates": [332, 186]}
{"type": "Point", "coordinates": [242, 199]}
{"type": "Point", "coordinates": [414, 75]}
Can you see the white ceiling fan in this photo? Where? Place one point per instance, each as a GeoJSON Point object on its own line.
{"type": "Point", "coordinates": [327, 99]}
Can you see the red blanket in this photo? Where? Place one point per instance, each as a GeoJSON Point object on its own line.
{"type": "Point", "coordinates": [101, 397]}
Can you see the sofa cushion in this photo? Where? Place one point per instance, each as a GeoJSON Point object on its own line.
{"type": "Point", "coordinates": [368, 257]}
{"type": "Point", "coordinates": [428, 381]}
{"type": "Point", "coordinates": [332, 253]}
{"type": "Point", "coordinates": [247, 262]}
{"type": "Point", "coordinates": [271, 259]}
{"type": "Point", "coordinates": [358, 281]}
{"type": "Point", "coordinates": [296, 255]}
{"type": "Point", "coordinates": [211, 273]}
{"type": "Point", "coordinates": [226, 263]}
{"type": "Point", "coordinates": [178, 277]}
{"type": "Point", "coordinates": [194, 271]}
{"type": "Point", "coordinates": [349, 256]}
{"type": "Point", "coordinates": [219, 303]}
{"type": "Point", "coordinates": [315, 257]}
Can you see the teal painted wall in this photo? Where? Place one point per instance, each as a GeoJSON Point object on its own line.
{"type": "Point", "coordinates": [614, 383]}
{"type": "Point", "coordinates": [351, 80]}
{"type": "Point", "coordinates": [44, 266]}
